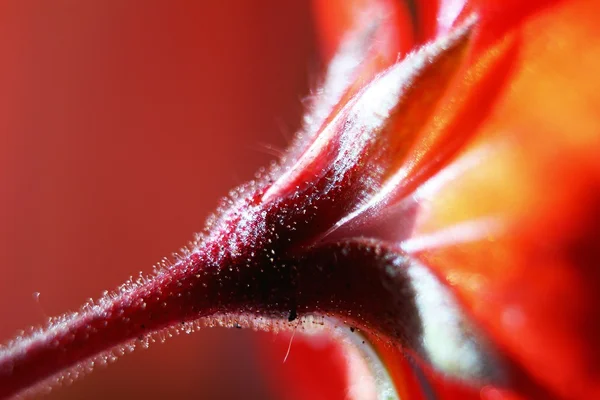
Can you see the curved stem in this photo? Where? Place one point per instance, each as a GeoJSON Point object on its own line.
{"type": "Point", "coordinates": [138, 309]}
{"type": "Point", "coordinates": [345, 280]}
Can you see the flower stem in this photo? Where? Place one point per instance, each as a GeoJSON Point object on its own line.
{"type": "Point", "coordinates": [346, 281]}
{"type": "Point", "coordinates": [131, 314]}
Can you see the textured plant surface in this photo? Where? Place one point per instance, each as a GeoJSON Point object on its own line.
{"type": "Point", "coordinates": [441, 199]}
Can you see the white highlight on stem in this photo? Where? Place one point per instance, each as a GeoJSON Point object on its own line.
{"type": "Point", "coordinates": [368, 376]}
{"type": "Point", "coordinates": [449, 340]}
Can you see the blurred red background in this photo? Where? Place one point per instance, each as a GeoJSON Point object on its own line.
{"type": "Point", "coordinates": [122, 123]}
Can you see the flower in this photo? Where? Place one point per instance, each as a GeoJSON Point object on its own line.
{"type": "Point", "coordinates": [425, 203]}
{"type": "Point", "coordinates": [510, 223]}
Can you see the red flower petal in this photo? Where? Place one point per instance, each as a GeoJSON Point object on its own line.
{"type": "Point", "coordinates": [513, 224]}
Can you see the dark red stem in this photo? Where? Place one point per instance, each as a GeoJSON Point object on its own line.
{"type": "Point", "coordinates": [339, 280]}
{"type": "Point", "coordinates": [132, 314]}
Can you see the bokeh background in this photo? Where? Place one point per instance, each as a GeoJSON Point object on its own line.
{"type": "Point", "coordinates": [122, 122]}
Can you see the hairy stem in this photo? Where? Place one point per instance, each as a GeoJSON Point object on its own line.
{"type": "Point", "coordinates": [131, 313]}
{"type": "Point", "coordinates": [341, 280]}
